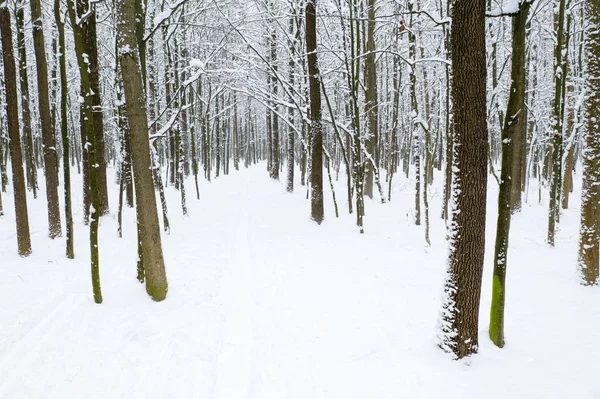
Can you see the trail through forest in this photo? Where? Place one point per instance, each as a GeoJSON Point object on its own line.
{"type": "Point", "coordinates": [263, 303]}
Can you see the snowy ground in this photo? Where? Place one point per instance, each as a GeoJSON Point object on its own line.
{"type": "Point", "coordinates": [263, 303]}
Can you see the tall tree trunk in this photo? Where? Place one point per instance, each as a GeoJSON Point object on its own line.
{"type": "Point", "coordinates": [90, 144]}
{"type": "Point", "coordinates": [570, 129]}
{"type": "Point", "coordinates": [462, 291]}
{"type": "Point", "coordinates": [70, 249]}
{"type": "Point", "coordinates": [415, 126]}
{"type": "Point", "coordinates": [194, 148]}
{"type": "Point", "coordinates": [515, 125]}
{"type": "Point", "coordinates": [449, 152]}
{"type": "Point", "coordinates": [236, 150]}
{"type": "Point", "coordinates": [292, 81]}
{"type": "Point", "coordinates": [12, 113]}
{"type": "Point", "coordinates": [316, 128]}
{"type": "Point", "coordinates": [154, 266]}
{"type": "Point", "coordinates": [274, 114]}
{"type": "Point", "coordinates": [589, 233]}
{"type": "Point", "coordinates": [25, 109]}
{"type": "Point", "coordinates": [557, 126]}
{"type": "Point", "coordinates": [3, 162]}
{"type": "Point", "coordinates": [50, 158]}
{"type": "Point", "coordinates": [371, 103]}
{"type": "Point", "coordinates": [91, 49]}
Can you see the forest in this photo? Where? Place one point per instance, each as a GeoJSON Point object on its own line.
{"type": "Point", "coordinates": [299, 198]}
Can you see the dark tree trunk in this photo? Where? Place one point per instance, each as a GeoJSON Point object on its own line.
{"type": "Point", "coordinates": [154, 266]}
{"type": "Point", "coordinates": [316, 167]}
{"type": "Point", "coordinates": [557, 128]}
{"type": "Point", "coordinates": [589, 239]}
{"type": "Point", "coordinates": [25, 109]}
{"type": "Point", "coordinates": [70, 249]}
{"type": "Point", "coordinates": [89, 145]}
{"type": "Point", "coordinates": [460, 311]}
{"type": "Point", "coordinates": [515, 126]}
{"type": "Point", "coordinates": [371, 103]}
{"type": "Point", "coordinates": [91, 49]}
{"type": "Point", "coordinates": [12, 113]}
{"type": "Point", "coordinates": [275, 117]}
{"type": "Point", "coordinates": [50, 158]}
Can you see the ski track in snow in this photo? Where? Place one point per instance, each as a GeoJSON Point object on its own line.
{"type": "Point", "coordinates": [265, 304]}
{"type": "Point", "coordinates": [235, 359]}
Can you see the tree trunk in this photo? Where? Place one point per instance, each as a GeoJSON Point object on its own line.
{"type": "Point", "coordinates": [291, 138]}
{"type": "Point", "coordinates": [89, 145]}
{"type": "Point", "coordinates": [70, 249]}
{"type": "Point", "coordinates": [12, 113]}
{"type": "Point", "coordinates": [316, 128]}
{"type": "Point", "coordinates": [557, 126]}
{"type": "Point", "coordinates": [274, 114]}
{"type": "Point", "coordinates": [154, 266]}
{"type": "Point", "coordinates": [515, 126]}
{"type": "Point", "coordinates": [91, 49]}
{"type": "Point", "coordinates": [50, 158]}
{"type": "Point", "coordinates": [462, 291]}
{"type": "Point", "coordinates": [371, 103]}
{"type": "Point", "coordinates": [589, 234]}
{"type": "Point", "coordinates": [25, 110]}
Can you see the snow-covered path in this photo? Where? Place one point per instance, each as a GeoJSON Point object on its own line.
{"type": "Point", "coordinates": [265, 304]}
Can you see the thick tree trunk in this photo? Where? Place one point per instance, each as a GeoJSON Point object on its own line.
{"type": "Point", "coordinates": [50, 158]}
{"type": "Point", "coordinates": [12, 113]}
{"type": "Point", "coordinates": [154, 266]}
{"type": "Point", "coordinates": [316, 167]}
{"type": "Point", "coordinates": [589, 234]}
{"type": "Point", "coordinates": [460, 309]}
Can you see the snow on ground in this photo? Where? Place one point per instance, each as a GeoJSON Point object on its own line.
{"type": "Point", "coordinates": [263, 303]}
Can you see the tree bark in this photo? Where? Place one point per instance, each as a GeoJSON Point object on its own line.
{"type": "Point", "coordinates": [274, 115]}
{"type": "Point", "coordinates": [12, 113]}
{"type": "Point", "coordinates": [25, 100]}
{"type": "Point", "coordinates": [90, 147]}
{"type": "Point", "coordinates": [316, 168]}
{"type": "Point", "coordinates": [70, 248]}
{"type": "Point", "coordinates": [91, 49]}
{"type": "Point", "coordinates": [515, 126]}
{"type": "Point", "coordinates": [557, 126]}
{"type": "Point", "coordinates": [50, 158]}
{"type": "Point", "coordinates": [462, 291]}
{"type": "Point", "coordinates": [371, 103]}
{"type": "Point", "coordinates": [589, 233]}
{"type": "Point", "coordinates": [154, 266]}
